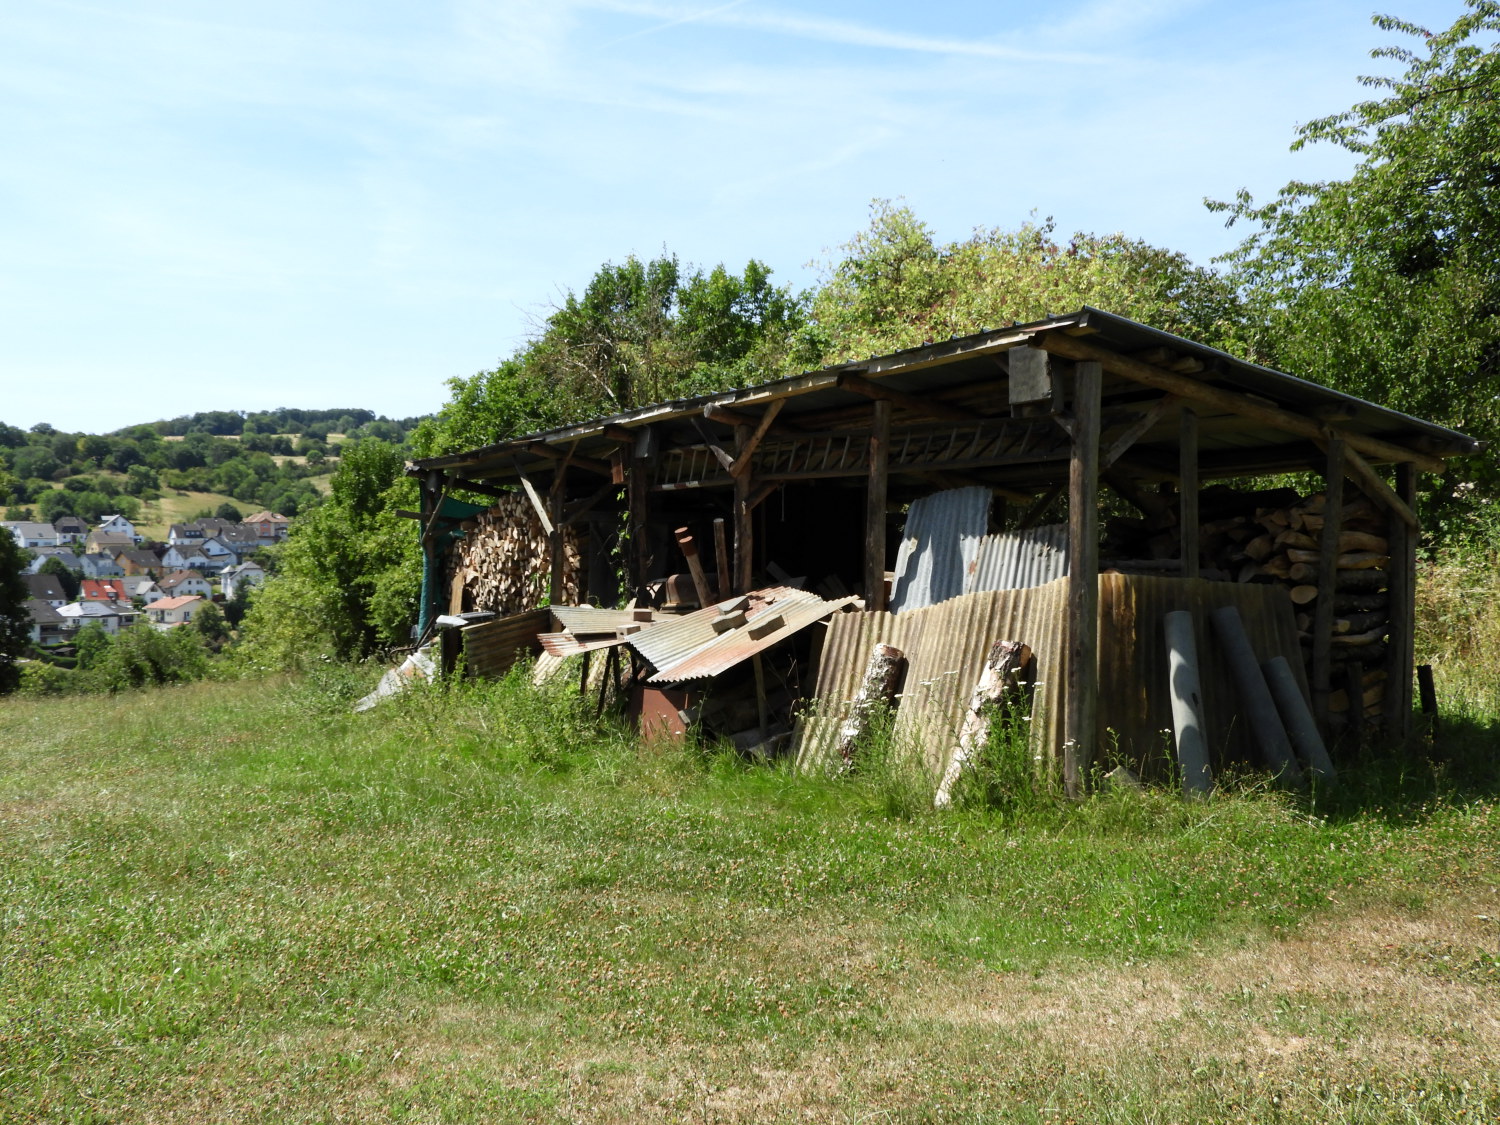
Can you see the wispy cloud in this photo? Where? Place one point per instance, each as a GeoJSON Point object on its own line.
{"type": "Point", "coordinates": [842, 32]}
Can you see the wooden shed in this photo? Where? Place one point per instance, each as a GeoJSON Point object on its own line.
{"type": "Point", "coordinates": [1086, 413]}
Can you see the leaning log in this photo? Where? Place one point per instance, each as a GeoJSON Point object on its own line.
{"type": "Point", "coordinates": [1000, 678]}
{"type": "Point", "coordinates": [877, 691]}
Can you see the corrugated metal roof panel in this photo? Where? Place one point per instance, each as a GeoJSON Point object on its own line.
{"type": "Point", "coordinates": [490, 648]}
{"type": "Point", "coordinates": [939, 545]}
{"type": "Point", "coordinates": [735, 645]}
{"type": "Point", "coordinates": [1017, 560]}
{"type": "Point", "coordinates": [946, 646]}
{"type": "Point", "coordinates": [584, 620]}
{"type": "Point", "coordinates": [566, 644]}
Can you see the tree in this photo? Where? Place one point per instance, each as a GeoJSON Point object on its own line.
{"type": "Point", "coordinates": [896, 287]}
{"type": "Point", "coordinates": [15, 621]}
{"type": "Point", "coordinates": [227, 511]}
{"type": "Point", "coordinates": [91, 644]}
{"type": "Point", "coordinates": [1387, 285]}
{"type": "Point", "coordinates": [209, 622]}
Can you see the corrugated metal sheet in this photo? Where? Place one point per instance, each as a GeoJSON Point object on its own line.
{"type": "Point", "coordinates": [676, 638]}
{"type": "Point", "coordinates": [688, 648]}
{"type": "Point", "coordinates": [566, 644]}
{"type": "Point", "coordinates": [583, 620]}
{"type": "Point", "coordinates": [491, 647]}
{"type": "Point", "coordinates": [1018, 560]}
{"type": "Point", "coordinates": [941, 541]}
{"type": "Point", "coordinates": [730, 648]}
{"type": "Point", "coordinates": [946, 645]}
{"type": "Point", "coordinates": [1134, 704]}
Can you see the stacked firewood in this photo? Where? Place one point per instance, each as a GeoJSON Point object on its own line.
{"type": "Point", "coordinates": [1275, 536]}
{"type": "Point", "coordinates": [501, 563]}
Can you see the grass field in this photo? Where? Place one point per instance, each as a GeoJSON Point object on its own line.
{"type": "Point", "coordinates": [239, 901]}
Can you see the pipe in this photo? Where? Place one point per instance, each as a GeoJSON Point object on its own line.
{"type": "Point", "coordinates": [1299, 720]}
{"type": "Point", "coordinates": [1259, 708]}
{"type": "Point", "coordinates": [1187, 704]}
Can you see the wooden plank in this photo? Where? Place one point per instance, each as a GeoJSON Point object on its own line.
{"type": "Point", "coordinates": [1080, 720]}
{"type": "Point", "coordinates": [536, 501]}
{"type": "Point", "coordinates": [744, 534]}
{"type": "Point", "coordinates": [1327, 583]}
{"type": "Point", "coordinates": [928, 408]}
{"type": "Point", "coordinates": [542, 449]}
{"type": "Point", "coordinates": [1135, 431]}
{"type": "Point", "coordinates": [875, 497]}
{"type": "Point", "coordinates": [638, 486]}
{"type": "Point", "coordinates": [731, 417]}
{"type": "Point", "coordinates": [721, 558]}
{"type": "Point", "coordinates": [1038, 509]}
{"type": "Point", "coordinates": [556, 555]}
{"type": "Point", "coordinates": [1187, 490]}
{"type": "Point", "coordinates": [579, 509]}
{"type": "Point", "coordinates": [743, 456]}
{"type": "Point", "coordinates": [1231, 402]}
{"type": "Point", "coordinates": [1402, 610]}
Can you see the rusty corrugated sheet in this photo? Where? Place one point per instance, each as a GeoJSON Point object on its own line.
{"type": "Point", "coordinates": [583, 620]}
{"type": "Point", "coordinates": [566, 644]}
{"type": "Point", "coordinates": [729, 648]}
{"type": "Point", "coordinates": [1017, 560]}
{"type": "Point", "coordinates": [941, 538]}
{"type": "Point", "coordinates": [491, 647]}
{"type": "Point", "coordinates": [946, 645]}
{"type": "Point", "coordinates": [688, 648]}
{"type": "Point", "coordinates": [674, 638]}
{"type": "Point", "coordinates": [1133, 701]}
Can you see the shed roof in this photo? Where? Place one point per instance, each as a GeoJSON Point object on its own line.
{"type": "Point", "coordinates": [969, 375]}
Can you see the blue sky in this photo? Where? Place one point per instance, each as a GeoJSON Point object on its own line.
{"type": "Point", "coordinates": [241, 206]}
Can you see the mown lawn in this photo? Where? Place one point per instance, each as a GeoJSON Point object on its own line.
{"type": "Point", "coordinates": [239, 901]}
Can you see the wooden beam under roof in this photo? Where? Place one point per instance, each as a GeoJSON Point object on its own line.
{"type": "Point", "coordinates": [917, 404]}
{"type": "Point", "coordinates": [1234, 402]}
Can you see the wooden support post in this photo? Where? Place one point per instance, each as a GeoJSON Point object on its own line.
{"type": "Point", "coordinates": [1328, 561]}
{"type": "Point", "coordinates": [762, 711]}
{"type": "Point", "coordinates": [1082, 707]}
{"type": "Point", "coordinates": [721, 558]}
{"type": "Point", "coordinates": [875, 496]}
{"type": "Point", "coordinates": [744, 533]}
{"type": "Point", "coordinates": [432, 559]}
{"type": "Point", "coordinates": [1402, 608]}
{"type": "Point", "coordinates": [638, 490]}
{"type": "Point", "coordinates": [556, 554]}
{"type": "Point", "coordinates": [1187, 490]}
{"type": "Point", "coordinates": [695, 565]}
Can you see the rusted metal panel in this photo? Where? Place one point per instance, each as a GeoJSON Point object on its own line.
{"type": "Point", "coordinates": [1135, 706]}
{"type": "Point", "coordinates": [586, 620]}
{"type": "Point", "coordinates": [1018, 560]}
{"type": "Point", "coordinates": [566, 644]}
{"type": "Point", "coordinates": [491, 647]}
{"type": "Point", "coordinates": [946, 645]}
{"type": "Point", "coordinates": [938, 547]}
{"type": "Point", "coordinates": [690, 648]}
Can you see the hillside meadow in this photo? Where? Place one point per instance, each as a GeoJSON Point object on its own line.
{"type": "Point", "coordinates": [239, 901]}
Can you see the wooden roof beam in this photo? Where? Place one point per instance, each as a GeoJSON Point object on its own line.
{"type": "Point", "coordinates": [926, 407]}
{"type": "Point", "coordinates": [542, 449]}
{"type": "Point", "coordinates": [1232, 402]}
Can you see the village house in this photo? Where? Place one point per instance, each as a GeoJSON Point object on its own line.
{"type": "Point", "coordinates": [119, 525]}
{"type": "Point", "coordinates": [183, 582]}
{"type": "Point", "coordinates": [270, 527]}
{"type": "Point", "coordinates": [142, 588]}
{"type": "Point", "coordinates": [70, 529]}
{"type": "Point", "coordinates": [140, 561]}
{"type": "Point", "coordinates": [99, 566]}
{"type": "Point", "coordinates": [171, 612]}
{"type": "Point", "coordinates": [248, 573]}
{"type": "Point", "coordinates": [112, 618]}
{"type": "Point", "coordinates": [109, 542]}
{"type": "Point", "coordinates": [48, 627]}
{"type": "Point", "coordinates": [40, 555]}
{"type": "Point", "coordinates": [28, 533]}
{"type": "Point", "coordinates": [188, 556]}
{"type": "Point", "coordinates": [108, 590]}
{"type": "Point", "coordinates": [46, 588]}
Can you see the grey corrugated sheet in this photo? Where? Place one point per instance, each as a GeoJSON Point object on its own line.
{"type": "Point", "coordinates": [1017, 560]}
{"type": "Point", "coordinates": [490, 648]}
{"type": "Point", "coordinates": [940, 543]}
{"type": "Point", "coordinates": [946, 645]}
